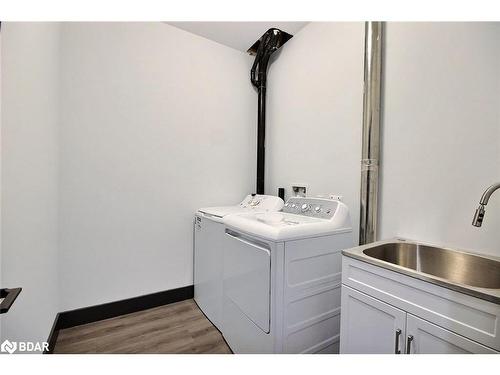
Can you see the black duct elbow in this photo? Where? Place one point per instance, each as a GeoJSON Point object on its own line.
{"type": "Point", "coordinates": [271, 41]}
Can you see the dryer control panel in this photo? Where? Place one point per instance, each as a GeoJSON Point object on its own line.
{"type": "Point", "coordinates": [322, 208]}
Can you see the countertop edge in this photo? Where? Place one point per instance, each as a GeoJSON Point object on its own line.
{"type": "Point", "coordinates": [357, 253]}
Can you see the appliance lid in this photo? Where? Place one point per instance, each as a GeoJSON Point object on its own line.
{"type": "Point", "coordinates": [290, 226]}
{"type": "Point", "coordinates": [300, 218]}
{"type": "Point", "coordinates": [220, 212]}
{"type": "Point", "coordinates": [251, 203]}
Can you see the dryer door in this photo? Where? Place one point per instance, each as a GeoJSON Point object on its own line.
{"type": "Point", "coordinates": [247, 277]}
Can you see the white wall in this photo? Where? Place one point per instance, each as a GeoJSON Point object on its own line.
{"type": "Point", "coordinates": [1, 318]}
{"type": "Point", "coordinates": [132, 171]}
{"type": "Point", "coordinates": [441, 133]}
{"type": "Point", "coordinates": [155, 123]}
{"type": "Point", "coordinates": [29, 176]}
{"type": "Point", "coordinates": [315, 105]}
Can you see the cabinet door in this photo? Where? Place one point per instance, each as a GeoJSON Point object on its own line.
{"type": "Point", "coordinates": [427, 338]}
{"type": "Point", "coordinates": [369, 326]}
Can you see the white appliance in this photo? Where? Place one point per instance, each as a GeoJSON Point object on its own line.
{"type": "Point", "coordinates": [209, 237]}
{"type": "Point", "coordinates": [282, 277]}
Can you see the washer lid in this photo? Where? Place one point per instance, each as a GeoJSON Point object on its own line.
{"type": "Point", "coordinates": [220, 212]}
{"type": "Point", "coordinates": [251, 203]}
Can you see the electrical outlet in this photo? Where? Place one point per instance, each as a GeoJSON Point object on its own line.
{"type": "Point", "coordinates": [299, 190]}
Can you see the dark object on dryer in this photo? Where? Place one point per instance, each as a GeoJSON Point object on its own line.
{"type": "Point", "coordinates": [281, 193]}
{"type": "Point", "coordinates": [268, 43]}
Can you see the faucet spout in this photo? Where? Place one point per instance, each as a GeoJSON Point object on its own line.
{"type": "Point", "coordinates": [479, 214]}
{"type": "Point", "coordinates": [487, 193]}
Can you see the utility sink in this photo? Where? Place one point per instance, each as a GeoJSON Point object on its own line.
{"type": "Point", "coordinates": [457, 267]}
{"type": "Point", "coordinates": [473, 274]}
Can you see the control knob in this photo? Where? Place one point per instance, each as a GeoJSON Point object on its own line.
{"type": "Point", "coordinates": [317, 209]}
{"type": "Point", "coordinates": [305, 207]}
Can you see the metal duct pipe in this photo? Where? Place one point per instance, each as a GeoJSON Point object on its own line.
{"type": "Point", "coordinates": [371, 133]}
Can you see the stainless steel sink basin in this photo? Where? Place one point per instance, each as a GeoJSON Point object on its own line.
{"type": "Point", "coordinates": [454, 266]}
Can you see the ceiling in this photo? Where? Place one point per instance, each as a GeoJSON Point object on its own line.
{"type": "Point", "coordinates": [237, 35]}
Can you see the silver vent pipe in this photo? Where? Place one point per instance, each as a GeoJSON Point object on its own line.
{"type": "Point", "coordinates": [370, 152]}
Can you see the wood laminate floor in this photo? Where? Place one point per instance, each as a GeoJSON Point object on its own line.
{"type": "Point", "coordinates": [176, 328]}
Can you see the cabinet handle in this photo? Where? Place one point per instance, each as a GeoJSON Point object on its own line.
{"type": "Point", "coordinates": [396, 343]}
{"type": "Point", "coordinates": [408, 344]}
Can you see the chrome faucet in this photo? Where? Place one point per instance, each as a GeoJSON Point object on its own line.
{"type": "Point", "coordinates": [479, 214]}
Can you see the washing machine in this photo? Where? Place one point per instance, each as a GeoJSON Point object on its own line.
{"type": "Point", "coordinates": [282, 277]}
{"type": "Point", "coordinates": [209, 237]}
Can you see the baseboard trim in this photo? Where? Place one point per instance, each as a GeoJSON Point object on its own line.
{"type": "Point", "coordinates": [54, 333]}
{"type": "Point", "coordinates": [73, 318]}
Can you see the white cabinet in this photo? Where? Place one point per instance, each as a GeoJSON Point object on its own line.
{"type": "Point", "coordinates": [370, 326]}
{"type": "Point", "coordinates": [358, 332]}
{"type": "Point", "coordinates": [387, 312]}
{"type": "Point", "coordinates": [427, 338]}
